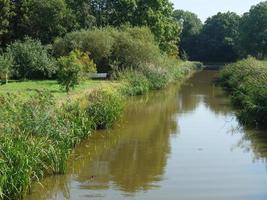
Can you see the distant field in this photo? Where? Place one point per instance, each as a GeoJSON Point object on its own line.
{"type": "Point", "coordinates": [27, 87]}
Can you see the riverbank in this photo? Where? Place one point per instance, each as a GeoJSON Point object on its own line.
{"type": "Point", "coordinates": [37, 136]}
{"type": "Point", "coordinates": [246, 83]}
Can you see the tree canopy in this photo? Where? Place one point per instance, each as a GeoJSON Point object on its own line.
{"type": "Point", "coordinates": [253, 31]}
{"type": "Point", "coordinates": [191, 28]}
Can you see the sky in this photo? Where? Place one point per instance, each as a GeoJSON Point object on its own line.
{"type": "Point", "coordinates": [207, 8]}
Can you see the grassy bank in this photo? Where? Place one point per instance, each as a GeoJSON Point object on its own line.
{"type": "Point", "coordinates": [37, 136]}
{"type": "Point", "coordinates": [246, 81]}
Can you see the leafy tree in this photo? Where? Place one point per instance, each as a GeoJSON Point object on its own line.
{"type": "Point", "coordinates": [6, 62]}
{"type": "Point", "coordinates": [6, 14]}
{"type": "Point", "coordinates": [31, 59]}
{"type": "Point", "coordinates": [191, 28]}
{"type": "Point", "coordinates": [253, 31]}
{"type": "Point", "coordinates": [83, 12]}
{"type": "Point", "coordinates": [73, 69]}
{"type": "Point", "coordinates": [158, 16]}
{"type": "Point", "coordinates": [219, 38]}
{"type": "Point", "coordinates": [42, 19]}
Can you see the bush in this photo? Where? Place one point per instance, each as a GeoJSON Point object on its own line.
{"type": "Point", "coordinates": [126, 48]}
{"type": "Point", "coordinates": [6, 63]}
{"type": "Point", "coordinates": [246, 81]}
{"type": "Point", "coordinates": [31, 60]}
{"type": "Point", "coordinates": [134, 82]}
{"type": "Point", "coordinates": [105, 107]}
{"type": "Point", "coordinates": [73, 69]}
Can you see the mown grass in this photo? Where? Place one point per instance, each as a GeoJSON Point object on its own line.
{"type": "Point", "coordinates": [29, 87]}
{"type": "Point", "coordinates": [246, 81]}
{"type": "Point", "coordinates": [37, 136]}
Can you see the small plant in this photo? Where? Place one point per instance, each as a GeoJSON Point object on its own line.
{"type": "Point", "coordinates": [6, 63]}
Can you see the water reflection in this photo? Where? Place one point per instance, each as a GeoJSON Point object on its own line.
{"type": "Point", "coordinates": [155, 152]}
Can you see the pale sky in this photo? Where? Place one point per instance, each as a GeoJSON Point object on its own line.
{"type": "Point", "coordinates": [207, 8]}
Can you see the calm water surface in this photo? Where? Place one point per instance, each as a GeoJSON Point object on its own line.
{"type": "Point", "coordinates": [180, 143]}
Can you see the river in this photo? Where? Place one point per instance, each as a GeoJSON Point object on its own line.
{"type": "Point", "coordinates": [183, 142]}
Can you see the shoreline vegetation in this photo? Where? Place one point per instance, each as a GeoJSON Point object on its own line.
{"type": "Point", "coordinates": [246, 82]}
{"type": "Point", "coordinates": [39, 128]}
{"type": "Point", "coordinates": [38, 136]}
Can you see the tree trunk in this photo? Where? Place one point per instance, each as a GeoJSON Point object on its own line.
{"type": "Point", "coordinates": [6, 78]}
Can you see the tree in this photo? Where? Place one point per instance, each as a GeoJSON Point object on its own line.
{"type": "Point", "coordinates": [73, 69]}
{"type": "Point", "coordinates": [31, 59]}
{"type": "Point", "coordinates": [191, 28]}
{"type": "Point", "coordinates": [219, 38]}
{"type": "Point", "coordinates": [6, 14]}
{"type": "Point", "coordinates": [158, 16]}
{"type": "Point", "coordinates": [83, 11]}
{"type": "Point", "coordinates": [253, 31]}
{"type": "Point", "coordinates": [6, 62]}
{"type": "Point", "coordinates": [42, 19]}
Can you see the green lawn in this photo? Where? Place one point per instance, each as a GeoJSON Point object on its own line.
{"type": "Point", "coordinates": [28, 87]}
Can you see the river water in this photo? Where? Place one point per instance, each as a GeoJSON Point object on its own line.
{"type": "Point", "coordinates": [183, 142]}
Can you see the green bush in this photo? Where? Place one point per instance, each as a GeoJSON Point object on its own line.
{"type": "Point", "coordinates": [31, 60]}
{"type": "Point", "coordinates": [105, 107]}
{"type": "Point", "coordinates": [126, 48]}
{"type": "Point", "coordinates": [246, 82]}
{"type": "Point", "coordinates": [73, 69]}
{"type": "Point", "coordinates": [134, 82]}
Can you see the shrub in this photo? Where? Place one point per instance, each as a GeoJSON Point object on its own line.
{"type": "Point", "coordinates": [134, 47]}
{"type": "Point", "coordinates": [73, 69]}
{"type": "Point", "coordinates": [105, 107]}
{"type": "Point", "coordinates": [31, 59]}
{"type": "Point", "coordinates": [134, 82]}
{"type": "Point", "coordinates": [127, 47]}
{"type": "Point", "coordinates": [6, 63]}
{"type": "Point", "coordinates": [98, 43]}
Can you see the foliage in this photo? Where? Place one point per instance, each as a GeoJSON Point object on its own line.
{"type": "Point", "coordinates": [253, 34]}
{"type": "Point", "coordinates": [6, 63]}
{"type": "Point", "coordinates": [105, 107]}
{"type": "Point", "coordinates": [191, 28]}
{"type": "Point", "coordinates": [31, 59]}
{"type": "Point", "coordinates": [246, 82]}
{"type": "Point", "coordinates": [157, 76]}
{"type": "Point", "coordinates": [41, 19]}
{"type": "Point", "coordinates": [36, 139]}
{"type": "Point", "coordinates": [6, 14]}
{"type": "Point", "coordinates": [134, 82]}
{"type": "Point", "coordinates": [219, 38]}
{"type": "Point", "coordinates": [73, 69]}
{"type": "Point", "coordinates": [127, 47]}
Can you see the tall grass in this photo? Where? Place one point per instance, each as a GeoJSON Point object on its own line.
{"type": "Point", "coordinates": [37, 136]}
{"type": "Point", "coordinates": [246, 81]}
{"type": "Point", "coordinates": [154, 77]}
